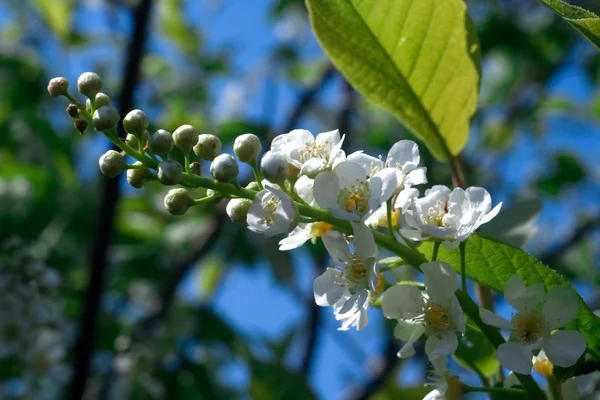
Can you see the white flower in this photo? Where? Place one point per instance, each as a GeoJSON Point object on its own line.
{"type": "Point", "coordinates": [403, 157]}
{"type": "Point", "coordinates": [450, 217]}
{"type": "Point", "coordinates": [435, 313]}
{"type": "Point", "coordinates": [348, 285]}
{"type": "Point", "coordinates": [308, 154]}
{"type": "Point", "coordinates": [272, 212]}
{"type": "Point", "coordinates": [350, 194]}
{"type": "Point", "coordinates": [304, 188]}
{"type": "Point", "coordinates": [538, 314]}
{"type": "Point", "coordinates": [303, 233]}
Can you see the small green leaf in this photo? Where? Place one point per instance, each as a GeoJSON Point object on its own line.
{"type": "Point", "coordinates": [586, 22]}
{"type": "Point", "coordinates": [492, 263]}
{"type": "Point", "coordinates": [57, 14]}
{"type": "Point", "coordinates": [418, 59]}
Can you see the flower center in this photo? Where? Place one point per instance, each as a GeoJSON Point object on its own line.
{"type": "Point", "coordinates": [355, 199]}
{"type": "Point", "coordinates": [318, 229]}
{"type": "Point", "coordinates": [356, 271]}
{"type": "Point", "coordinates": [435, 215]}
{"type": "Point", "coordinates": [314, 150]}
{"type": "Point", "coordinates": [528, 327]}
{"type": "Point", "coordinates": [270, 210]}
{"type": "Point", "coordinates": [383, 222]}
{"type": "Point", "coordinates": [436, 318]}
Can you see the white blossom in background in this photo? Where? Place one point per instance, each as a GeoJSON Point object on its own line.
{"type": "Point", "coordinates": [272, 212]}
{"type": "Point", "coordinates": [449, 216]}
{"type": "Point", "coordinates": [349, 193]}
{"type": "Point", "coordinates": [403, 157]}
{"type": "Point", "coordinates": [348, 285]}
{"type": "Point", "coordinates": [538, 314]}
{"type": "Point", "coordinates": [434, 312]}
{"type": "Point", "coordinates": [307, 154]}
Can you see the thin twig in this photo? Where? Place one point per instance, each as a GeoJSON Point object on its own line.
{"type": "Point", "coordinates": [84, 344]}
{"type": "Point", "coordinates": [553, 255]}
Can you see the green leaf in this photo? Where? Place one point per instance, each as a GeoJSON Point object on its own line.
{"type": "Point", "coordinates": [513, 225]}
{"type": "Point", "coordinates": [586, 22]}
{"type": "Point", "coordinates": [492, 263]}
{"type": "Point", "coordinates": [476, 352]}
{"type": "Point", "coordinates": [57, 14]}
{"type": "Point", "coordinates": [420, 60]}
{"type": "Point", "coordinates": [568, 172]}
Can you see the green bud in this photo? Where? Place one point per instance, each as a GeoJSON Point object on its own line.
{"type": "Point", "coordinates": [105, 118]}
{"type": "Point", "coordinates": [111, 163]}
{"type": "Point", "coordinates": [224, 168]}
{"type": "Point", "coordinates": [185, 137]}
{"type": "Point", "coordinates": [132, 141]}
{"type": "Point", "coordinates": [208, 146]}
{"type": "Point", "coordinates": [135, 122]}
{"type": "Point", "coordinates": [169, 172]}
{"type": "Point", "coordinates": [253, 186]}
{"type": "Point", "coordinates": [237, 210]}
{"type": "Point", "coordinates": [58, 86]}
{"type": "Point", "coordinates": [177, 201]}
{"type": "Point", "coordinates": [102, 100]}
{"type": "Point", "coordinates": [161, 143]}
{"type": "Point", "coordinates": [89, 84]}
{"type": "Point", "coordinates": [274, 167]}
{"type": "Point", "coordinates": [195, 168]}
{"type": "Point", "coordinates": [247, 147]}
{"type": "Point", "coordinates": [138, 177]}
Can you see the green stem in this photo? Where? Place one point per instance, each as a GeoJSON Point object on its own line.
{"type": "Point", "coordinates": [463, 265]}
{"type": "Point", "coordinates": [389, 219]}
{"type": "Point", "coordinates": [82, 112]}
{"type": "Point", "coordinates": [392, 266]}
{"type": "Point", "coordinates": [135, 166]}
{"type": "Point", "coordinates": [436, 248]}
{"type": "Point", "coordinates": [498, 390]}
{"type": "Point", "coordinates": [186, 160]}
{"type": "Point", "coordinates": [554, 386]}
{"type": "Point", "coordinates": [207, 199]}
{"type": "Point", "coordinates": [257, 174]}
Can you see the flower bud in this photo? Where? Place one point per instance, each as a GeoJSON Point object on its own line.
{"type": "Point", "coordinates": [253, 186]}
{"type": "Point", "coordinates": [274, 167]}
{"type": "Point", "coordinates": [105, 118]}
{"type": "Point", "coordinates": [237, 210]}
{"type": "Point", "coordinates": [224, 168]}
{"type": "Point", "coordinates": [195, 168]}
{"type": "Point", "coordinates": [169, 172]}
{"type": "Point", "coordinates": [135, 122]}
{"type": "Point", "coordinates": [81, 125]}
{"type": "Point", "coordinates": [58, 86]}
{"type": "Point", "coordinates": [73, 110]}
{"type": "Point", "coordinates": [177, 201]}
{"type": "Point", "coordinates": [161, 143]}
{"type": "Point", "coordinates": [247, 147]}
{"type": "Point", "coordinates": [208, 147]}
{"type": "Point", "coordinates": [89, 84]}
{"type": "Point", "coordinates": [185, 137]}
{"type": "Point", "coordinates": [101, 100]}
{"type": "Point", "coordinates": [111, 163]}
{"type": "Point", "coordinates": [138, 177]}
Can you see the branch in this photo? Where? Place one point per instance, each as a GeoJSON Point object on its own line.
{"type": "Point", "coordinates": [84, 345]}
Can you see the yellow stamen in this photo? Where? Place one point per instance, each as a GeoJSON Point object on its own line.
{"type": "Point", "coordinates": [318, 229]}
{"type": "Point", "coordinates": [528, 327]}
{"type": "Point", "coordinates": [436, 318]}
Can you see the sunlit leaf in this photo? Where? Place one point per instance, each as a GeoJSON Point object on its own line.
{"type": "Point", "coordinates": [418, 59]}
{"type": "Point", "coordinates": [586, 22]}
{"type": "Point", "coordinates": [57, 14]}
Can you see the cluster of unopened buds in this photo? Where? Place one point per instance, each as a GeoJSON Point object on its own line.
{"type": "Point", "coordinates": [306, 187]}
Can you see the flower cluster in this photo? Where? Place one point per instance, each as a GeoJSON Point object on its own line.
{"type": "Point", "coordinates": [306, 188]}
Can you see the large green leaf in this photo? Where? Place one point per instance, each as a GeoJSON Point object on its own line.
{"type": "Point", "coordinates": [419, 59]}
{"type": "Point", "coordinates": [492, 263]}
{"type": "Point", "coordinates": [476, 352]}
{"type": "Point", "coordinates": [586, 22]}
{"type": "Point", "coordinates": [57, 14]}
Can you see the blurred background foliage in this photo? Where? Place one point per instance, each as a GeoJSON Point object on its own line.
{"type": "Point", "coordinates": [196, 307]}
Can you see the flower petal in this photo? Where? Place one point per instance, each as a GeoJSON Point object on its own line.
{"type": "Point", "coordinates": [364, 242]}
{"type": "Point", "coordinates": [441, 346]}
{"type": "Point", "coordinates": [337, 247]}
{"type": "Point", "coordinates": [405, 153]}
{"type": "Point", "coordinates": [562, 305]}
{"type": "Point", "coordinates": [521, 298]}
{"type": "Point", "coordinates": [295, 239]}
{"type": "Point", "coordinates": [493, 319]}
{"type": "Point", "coordinates": [327, 292]}
{"type": "Point", "coordinates": [326, 190]}
{"type": "Point", "coordinates": [369, 163]}
{"type": "Point", "coordinates": [408, 349]}
{"type": "Point", "coordinates": [313, 167]}
{"type": "Point", "coordinates": [387, 185]}
{"type": "Point", "coordinates": [417, 176]}
{"type": "Point", "coordinates": [563, 348]}
{"type": "Point", "coordinates": [405, 197]}
{"type": "Point", "coordinates": [402, 302]}
{"type": "Point", "coordinates": [515, 357]}
{"type": "Point", "coordinates": [441, 281]}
